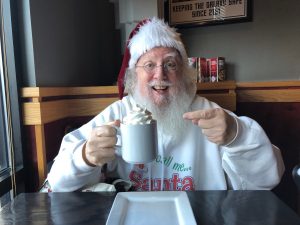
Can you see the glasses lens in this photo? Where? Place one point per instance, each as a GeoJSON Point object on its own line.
{"type": "Point", "coordinates": [149, 67]}
{"type": "Point", "coordinates": [170, 66]}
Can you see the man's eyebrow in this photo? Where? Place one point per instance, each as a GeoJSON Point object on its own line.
{"type": "Point", "coordinates": [166, 56]}
{"type": "Point", "coordinates": [171, 54]}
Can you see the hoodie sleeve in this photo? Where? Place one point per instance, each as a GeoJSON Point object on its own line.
{"type": "Point", "coordinates": [69, 172]}
{"type": "Point", "coordinates": [250, 160]}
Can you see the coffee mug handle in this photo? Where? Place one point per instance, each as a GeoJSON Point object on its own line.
{"type": "Point", "coordinates": [118, 146]}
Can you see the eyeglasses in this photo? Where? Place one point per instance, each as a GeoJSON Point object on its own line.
{"type": "Point", "coordinates": [170, 66]}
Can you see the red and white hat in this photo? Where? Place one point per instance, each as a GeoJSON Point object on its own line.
{"type": "Point", "coordinates": [148, 34]}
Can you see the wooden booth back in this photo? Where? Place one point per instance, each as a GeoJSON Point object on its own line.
{"type": "Point", "coordinates": [50, 112]}
{"type": "Point", "coordinates": [276, 107]}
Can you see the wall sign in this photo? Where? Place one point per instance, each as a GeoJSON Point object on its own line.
{"type": "Point", "coordinates": [205, 12]}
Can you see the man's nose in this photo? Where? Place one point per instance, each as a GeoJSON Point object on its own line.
{"type": "Point", "coordinates": [160, 73]}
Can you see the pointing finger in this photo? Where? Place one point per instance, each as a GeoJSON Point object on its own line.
{"type": "Point", "coordinates": [200, 114]}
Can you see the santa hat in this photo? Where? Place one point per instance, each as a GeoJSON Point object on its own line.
{"type": "Point", "coordinates": [148, 34]}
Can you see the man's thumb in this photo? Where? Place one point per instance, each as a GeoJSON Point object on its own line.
{"type": "Point", "coordinates": [114, 123]}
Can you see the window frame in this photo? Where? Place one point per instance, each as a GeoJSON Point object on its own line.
{"type": "Point", "coordinates": [3, 133]}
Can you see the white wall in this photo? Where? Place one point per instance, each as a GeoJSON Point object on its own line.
{"type": "Point", "coordinates": [262, 50]}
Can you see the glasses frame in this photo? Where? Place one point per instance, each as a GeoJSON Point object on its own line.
{"type": "Point", "coordinates": [164, 66]}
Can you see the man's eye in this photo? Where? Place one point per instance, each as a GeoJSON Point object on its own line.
{"type": "Point", "coordinates": [149, 66]}
{"type": "Point", "coordinates": [171, 65]}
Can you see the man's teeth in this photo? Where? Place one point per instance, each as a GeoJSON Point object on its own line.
{"type": "Point", "coordinates": [158, 87]}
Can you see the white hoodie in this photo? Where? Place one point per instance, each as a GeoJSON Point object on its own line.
{"type": "Point", "coordinates": [249, 162]}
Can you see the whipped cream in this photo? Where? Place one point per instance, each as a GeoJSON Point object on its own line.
{"type": "Point", "coordinates": [138, 115]}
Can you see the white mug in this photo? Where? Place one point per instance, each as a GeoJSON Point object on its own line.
{"type": "Point", "coordinates": [138, 142]}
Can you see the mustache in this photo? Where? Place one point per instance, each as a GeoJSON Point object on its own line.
{"type": "Point", "coordinates": [160, 83]}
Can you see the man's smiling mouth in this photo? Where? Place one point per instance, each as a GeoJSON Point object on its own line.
{"type": "Point", "coordinates": [160, 88]}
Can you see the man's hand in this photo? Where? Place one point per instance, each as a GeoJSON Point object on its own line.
{"type": "Point", "coordinates": [217, 125]}
{"type": "Point", "coordinates": [100, 147]}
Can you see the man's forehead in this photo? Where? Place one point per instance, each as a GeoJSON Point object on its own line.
{"type": "Point", "coordinates": [161, 52]}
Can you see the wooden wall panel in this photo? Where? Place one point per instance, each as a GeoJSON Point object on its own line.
{"type": "Point", "coordinates": [276, 91]}
{"type": "Point", "coordinates": [278, 95]}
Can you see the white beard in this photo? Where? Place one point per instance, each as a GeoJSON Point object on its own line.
{"type": "Point", "coordinates": [169, 115]}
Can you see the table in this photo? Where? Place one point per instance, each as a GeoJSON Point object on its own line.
{"type": "Point", "coordinates": [209, 207]}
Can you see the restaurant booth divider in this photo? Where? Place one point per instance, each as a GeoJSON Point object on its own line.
{"type": "Point", "coordinates": [50, 112]}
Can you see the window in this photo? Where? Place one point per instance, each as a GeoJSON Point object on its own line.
{"type": "Point", "coordinates": [11, 160]}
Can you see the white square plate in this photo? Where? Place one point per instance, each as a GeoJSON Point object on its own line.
{"type": "Point", "coordinates": [143, 208]}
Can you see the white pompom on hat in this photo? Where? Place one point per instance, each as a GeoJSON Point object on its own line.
{"type": "Point", "coordinates": [148, 34]}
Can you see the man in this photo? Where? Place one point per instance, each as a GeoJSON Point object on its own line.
{"type": "Point", "coordinates": [200, 145]}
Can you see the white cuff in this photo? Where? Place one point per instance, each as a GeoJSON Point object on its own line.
{"type": "Point", "coordinates": [78, 160]}
{"type": "Point", "coordinates": [237, 132]}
